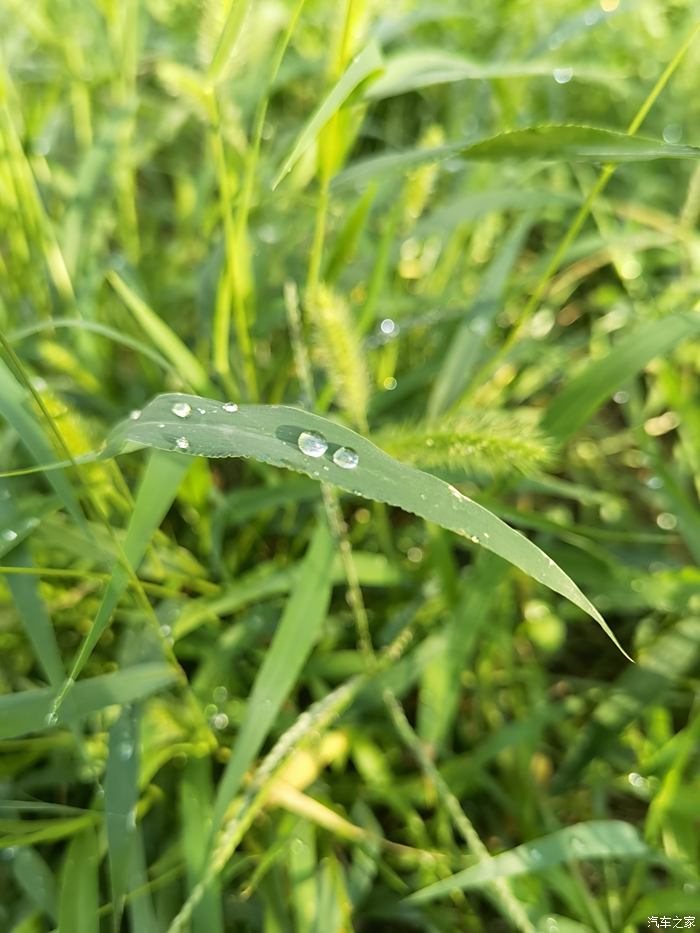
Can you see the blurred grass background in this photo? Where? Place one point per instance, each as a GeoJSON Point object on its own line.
{"type": "Point", "coordinates": [151, 240]}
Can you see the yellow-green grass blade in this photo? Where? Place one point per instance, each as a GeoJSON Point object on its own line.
{"type": "Point", "coordinates": [164, 338]}
{"type": "Point", "coordinates": [29, 710]}
{"type": "Point", "coordinates": [365, 64]}
{"type": "Point", "coordinates": [271, 434]}
{"type": "Point", "coordinates": [196, 804]}
{"type": "Point", "coordinates": [296, 634]}
{"type": "Point", "coordinates": [597, 839]}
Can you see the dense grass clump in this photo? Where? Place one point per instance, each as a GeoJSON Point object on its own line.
{"type": "Point", "coordinates": [349, 375]}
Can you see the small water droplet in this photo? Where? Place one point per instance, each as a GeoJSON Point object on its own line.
{"type": "Point", "coordinates": [390, 383]}
{"type": "Point", "coordinates": [202, 411]}
{"type": "Point", "coordinates": [388, 327]}
{"type": "Point", "coordinates": [220, 694]}
{"type": "Point", "coordinates": [636, 780]}
{"type": "Point", "coordinates": [165, 630]}
{"type": "Point", "coordinates": [230, 407]}
{"type": "Point", "coordinates": [161, 424]}
{"type": "Point", "coordinates": [312, 443]}
{"type": "Point", "coordinates": [535, 855]}
{"type": "Point", "coordinates": [182, 443]}
{"type": "Point", "coordinates": [125, 750]}
{"type": "Point", "coordinates": [181, 410]}
{"type": "Point", "coordinates": [131, 819]}
{"type": "Point", "coordinates": [220, 721]}
{"type": "Point", "coordinates": [135, 414]}
{"type": "Point", "coordinates": [9, 535]}
{"type": "Point", "coordinates": [563, 75]}
{"type": "Point", "coordinates": [621, 397]}
{"type": "Point", "coordinates": [346, 458]}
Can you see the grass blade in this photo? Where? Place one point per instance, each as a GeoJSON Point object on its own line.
{"type": "Point", "coordinates": [37, 880]}
{"type": "Point", "coordinates": [600, 379]}
{"type": "Point", "coordinates": [196, 806]}
{"type": "Point", "coordinates": [593, 840]}
{"type": "Point", "coordinates": [296, 633]}
{"type": "Point", "coordinates": [28, 710]}
{"type": "Point", "coordinates": [366, 63]}
{"type": "Point", "coordinates": [271, 433]}
{"type": "Point", "coordinates": [78, 908]}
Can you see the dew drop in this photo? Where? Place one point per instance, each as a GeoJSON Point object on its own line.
{"type": "Point", "coordinates": [220, 694]}
{"type": "Point", "coordinates": [388, 327]}
{"type": "Point", "coordinates": [390, 383]}
{"type": "Point", "coordinates": [563, 75]}
{"type": "Point", "coordinates": [312, 444]}
{"type": "Point", "coordinates": [135, 414]}
{"type": "Point", "coordinates": [126, 750]}
{"type": "Point", "coordinates": [220, 721]}
{"type": "Point", "coordinates": [181, 410]}
{"type": "Point", "coordinates": [535, 855]}
{"type": "Point", "coordinates": [230, 407]}
{"type": "Point", "coordinates": [346, 458]}
{"type": "Point", "coordinates": [182, 443]}
{"type": "Point", "coordinates": [202, 411]}
{"type": "Point", "coordinates": [9, 535]}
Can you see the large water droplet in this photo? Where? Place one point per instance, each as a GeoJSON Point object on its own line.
{"type": "Point", "coordinates": [312, 444]}
{"type": "Point", "coordinates": [135, 414]}
{"type": "Point", "coordinates": [563, 75]}
{"type": "Point", "coordinates": [230, 407]}
{"type": "Point", "coordinates": [220, 721]}
{"type": "Point", "coordinates": [182, 443]}
{"type": "Point", "coordinates": [346, 458]}
{"type": "Point", "coordinates": [9, 535]}
{"type": "Point", "coordinates": [181, 409]}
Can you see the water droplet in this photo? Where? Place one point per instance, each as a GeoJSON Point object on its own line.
{"type": "Point", "coordinates": [131, 819]}
{"type": "Point", "coordinates": [415, 555]}
{"type": "Point", "coordinates": [636, 780]}
{"type": "Point", "coordinates": [165, 630]}
{"type": "Point", "coordinates": [388, 327]}
{"type": "Point", "coordinates": [220, 694]}
{"type": "Point", "coordinates": [666, 521]}
{"type": "Point", "coordinates": [312, 444]}
{"type": "Point", "coordinates": [563, 75]}
{"type": "Point", "coordinates": [220, 721]}
{"type": "Point", "coordinates": [456, 493]}
{"type": "Point", "coordinates": [182, 443]}
{"type": "Point", "coordinates": [535, 855]}
{"type": "Point", "coordinates": [673, 133]}
{"type": "Point", "coordinates": [390, 383]}
{"type": "Point", "coordinates": [202, 411]}
{"type": "Point", "coordinates": [125, 750]}
{"type": "Point", "coordinates": [429, 442]}
{"type": "Point", "coordinates": [181, 410]}
{"type": "Point", "coordinates": [346, 457]}
{"type": "Point", "coordinates": [621, 397]}
{"type": "Point", "coordinates": [135, 414]}
{"type": "Point", "coordinates": [161, 425]}
{"type": "Point", "coordinates": [9, 535]}
{"type": "Point", "coordinates": [230, 407]}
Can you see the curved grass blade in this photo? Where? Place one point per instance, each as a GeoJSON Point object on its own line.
{"type": "Point", "coordinates": [271, 433]}
{"type": "Point", "coordinates": [549, 143]}
{"type": "Point", "coordinates": [602, 378]}
{"type": "Point", "coordinates": [36, 879]}
{"type": "Point", "coordinates": [29, 710]}
{"type": "Point", "coordinates": [368, 62]}
{"type": "Point", "coordinates": [593, 840]}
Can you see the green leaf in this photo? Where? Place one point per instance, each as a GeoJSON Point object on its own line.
{"type": "Point", "coordinates": [28, 710]}
{"type": "Point", "coordinates": [78, 908]}
{"type": "Point", "coordinates": [196, 806]}
{"type": "Point", "coordinates": [366, 63]}
{"type": "Point", "coordinates": [296, 633]}
{"type": "Point", "coordinates": [593, 840]}
{"type": "Point", "coordinates": [587, 391]}
{"type": "Point", "coordinates": [549, 143]}
{"type": "Point", "coordinates": [270, 434]}
{"type": "Point", "coordinates": [36, 879]}
{"type": "Point", "coordinates": [121, 796]}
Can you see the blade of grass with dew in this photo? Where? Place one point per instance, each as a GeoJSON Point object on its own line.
{"type": "Point", "coordinates": [296, 633]}
{"type": "Point", "coordinates": [13, 408]}
{"type": "Point", "coordinates": [548, 143]}
{"type": "Point", "coordinates": [271, 433]}
{"type": "Point", "coordinates": [29, 710]}
{"type": "Point", "coordinates": [79, 898]}
{"type": "Point", "coordinates": [159, 485]}
{"type": "Point", "coordinates": [600, 379]}
{"type": "Point", "coordinates": [467, 344]}
{"type": "Point", "coordinates": [412, 70]}
{"type": "Point", "coordinates": [368, 62]}
{"type": "Point", "coordinates": [196, 804]}
{"type": "Point", "coordinates": [165, 339]}
{"type": "Point", "coordinates": [36, 879]}
{"type": "Point", "coordinates": [121, 796]}
{"type": "Point", "coordinates": [597, 839]}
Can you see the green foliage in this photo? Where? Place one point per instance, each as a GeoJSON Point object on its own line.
{"type": "Point", "coordinates": [245, 688]}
